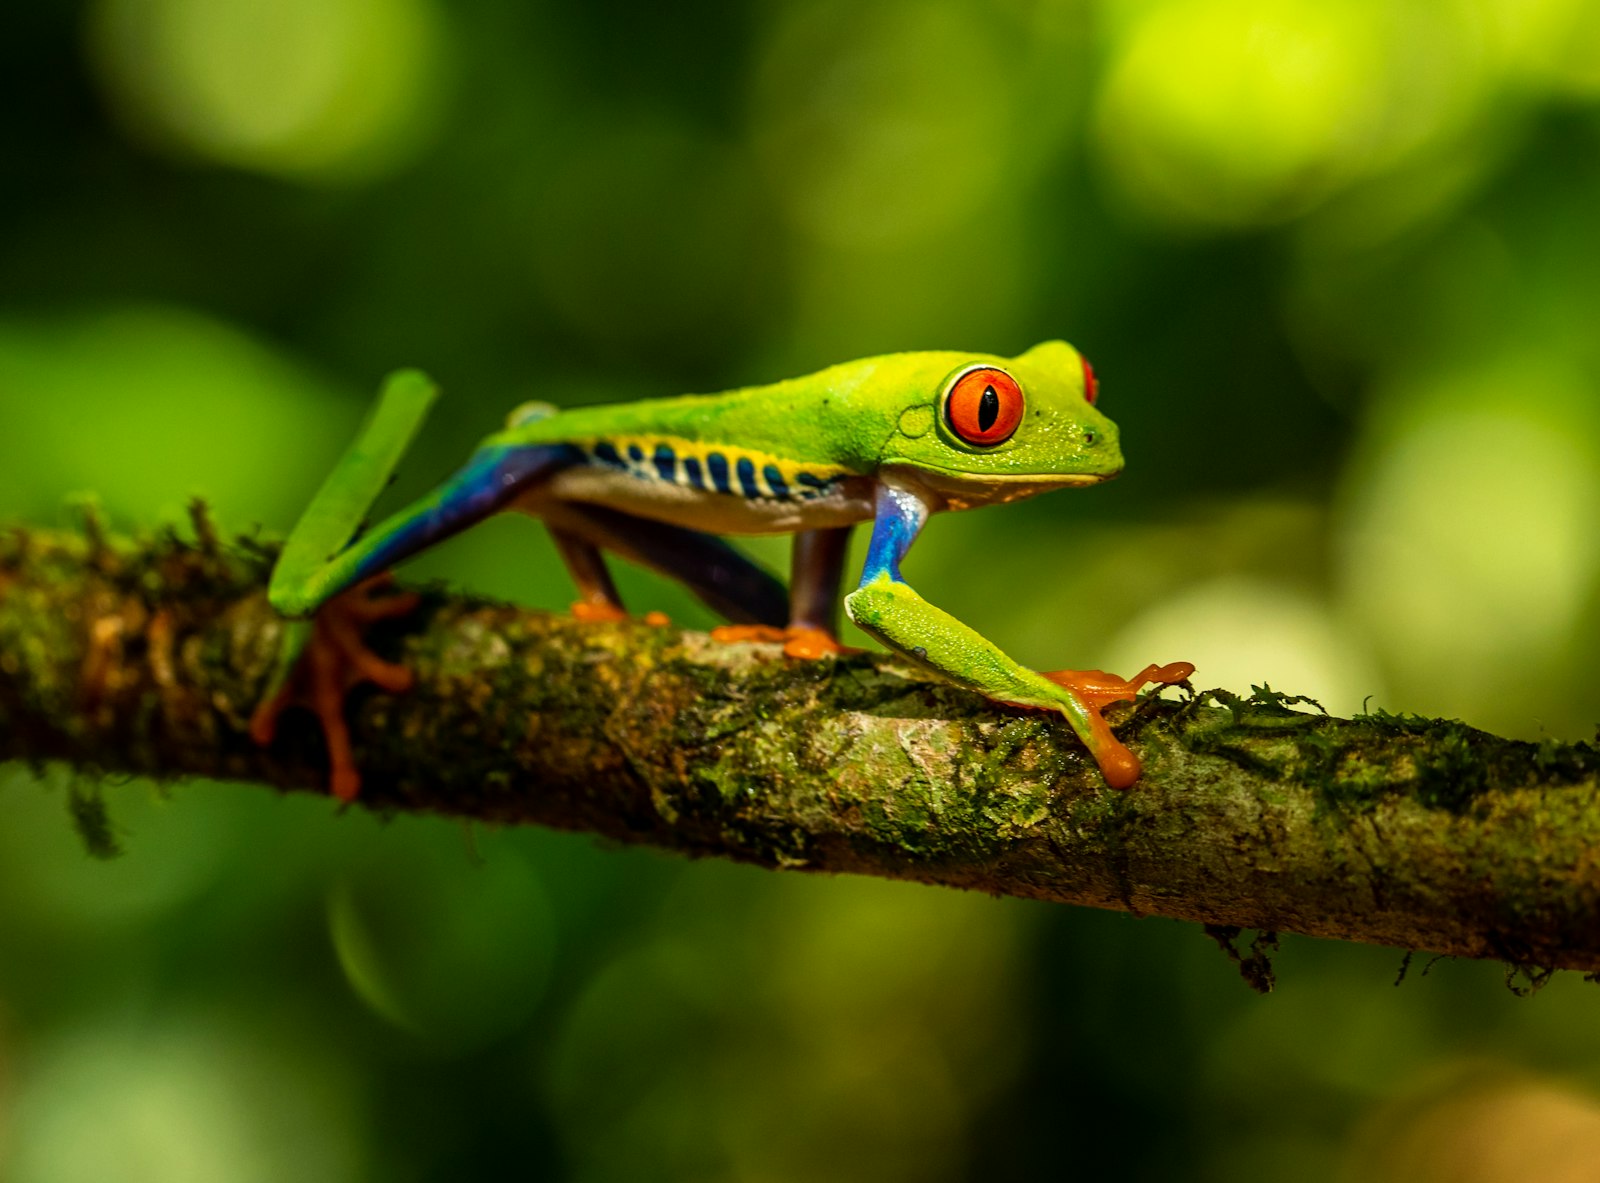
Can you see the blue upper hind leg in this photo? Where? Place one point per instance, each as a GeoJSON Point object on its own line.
{"type": "Point", "coordinates": [496, 475]}
{"type": "Point", "coordinates": [320, 661]}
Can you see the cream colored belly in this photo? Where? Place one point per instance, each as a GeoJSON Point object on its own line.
{"type": "Point", "coordinates": [847, 502]}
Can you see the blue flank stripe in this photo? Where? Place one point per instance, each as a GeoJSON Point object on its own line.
{"type": "Point", "coordinates": [606, 453]}
{"type": "Point", "coordinates": [636, 453]}
{"type": "Point", "coordinates": [747, 477]}
{"type": "Point", "coordinates": [811, 481]}
{"type": "Point", "coordinates": [775, 482]}
{"type": "Point", "coordinates": [691, 472]}
{"type": "Point", "coordinates": [666, 462]}
{"type": "Point", "coordinates": [717, 466]}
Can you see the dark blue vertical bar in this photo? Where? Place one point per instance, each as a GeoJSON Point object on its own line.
{"type": "Point", "coordinates": [810, 484]}
{"type": "Point", "coordinates": [747, 477]}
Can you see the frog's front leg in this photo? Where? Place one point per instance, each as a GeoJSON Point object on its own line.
{"type": "Point", "coordinates": [887, 607]}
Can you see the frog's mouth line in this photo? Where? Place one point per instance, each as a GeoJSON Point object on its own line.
{"type": "Point", "coordinates": [937, 474]}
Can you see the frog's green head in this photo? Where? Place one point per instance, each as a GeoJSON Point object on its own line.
{"type": "Point", "coordinates": [998, 429]}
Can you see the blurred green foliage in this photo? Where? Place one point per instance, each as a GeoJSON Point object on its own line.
{"type": "Point", "coordinates": [1337, 264]}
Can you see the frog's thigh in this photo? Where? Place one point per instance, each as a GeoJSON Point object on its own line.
{"type": "Point", "coordinates": [723, 579]}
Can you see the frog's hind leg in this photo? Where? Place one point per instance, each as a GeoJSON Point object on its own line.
{"type": "Point", "coordinates": [597, 593]}
{"type": "Point", "coordinates": [325, 659]}
{"type": "Point", "coordinates": [720, 577]}
{"type": "Point", "coordinates": [817, 574]}
{"type": "Point", "coordinates": [494, 477]}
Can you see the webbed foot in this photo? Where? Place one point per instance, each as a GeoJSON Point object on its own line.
{"type": "Point", "coordinates": [1096, 690]}
{"type": "Point", "coordinates": [335, 660]}
{"type": "Point", "coordinates": [802, 641]}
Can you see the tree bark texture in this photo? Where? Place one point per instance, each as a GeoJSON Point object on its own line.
{"type": "Point", "coordinates": [1425, 834]}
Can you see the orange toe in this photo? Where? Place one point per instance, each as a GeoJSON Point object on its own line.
{"type": "Point", "coordinates": [811, 643]}
{"type": "Point", "coordinates": [336, 660]}
{"type": "Point", "coordinates": [802, 641]}
{"type": "Point", "coordinates": [369, 607]}
{"type": "Point", "coordinates": [598, 612]}
{"type": "Point", "coordinates": [1118, 765]}
{"type": "Point", "coordinates": [749, 634]}
{"type": "Point", "coordinates": [264, 720]}
{"type": "Point", "coordinates": [386, 675]}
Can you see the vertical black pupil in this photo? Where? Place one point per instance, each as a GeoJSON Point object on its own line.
{"type": "Point", "coordinates": [988, 409]}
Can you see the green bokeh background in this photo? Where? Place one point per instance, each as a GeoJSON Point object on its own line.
{"type": "Point", "coordinates": [1337, 263]}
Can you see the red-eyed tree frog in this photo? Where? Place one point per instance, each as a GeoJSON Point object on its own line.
{"type": "Point", "coordinates": [888, 439]}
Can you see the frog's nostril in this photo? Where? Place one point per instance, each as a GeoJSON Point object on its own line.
{"type": "Point", "coordinates": [1090, 439]}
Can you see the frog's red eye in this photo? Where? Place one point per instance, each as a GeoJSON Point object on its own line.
{"type": "Point", "coordinates": [984, 407]}
{"type": "Point", "coordinates": [1091, 388]}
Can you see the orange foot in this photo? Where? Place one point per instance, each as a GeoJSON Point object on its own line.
{"type": "Point", "coordinates": [334, 661]}
{"type": "Point", "coordinates": [800, 641]}
{"type": "Point", "coordinates": [1095, 690]}
{"type": "Point", "coordinates": [600, 612]}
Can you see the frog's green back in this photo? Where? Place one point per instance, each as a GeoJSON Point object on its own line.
{"type": "Point", "coordinates": [863, 418]}
{"type": "Point", "coordinates": [837, 419]}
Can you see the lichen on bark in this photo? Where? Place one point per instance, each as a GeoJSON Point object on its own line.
{"type": "Point", "coordinates": [1259, 813]}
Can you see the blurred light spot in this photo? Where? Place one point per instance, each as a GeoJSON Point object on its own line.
{"type": "Point", "coordinates": [1239, 112]}
{"type": "Point", "coordinates": [1550, 43]}
{"type": "Point", "coordinates": [305, 89]}
{"type": "Point", "coordinates": [150, 406]}
{"type": "Point", "coordinates": [178, 1104]}
{"type": "Point", "coordinates": [361, 960]}
{"type": "Point", "coordinates": [844, 1029]}
{"type": "Point", "coordinates": [1471, 546]}
{"type": "Point", "coordinates": [1478, 533]}
{"type": "Point", "coordinates": [454, 952]}
{"type": "Point", "coordinates": [891, 995]}
{"type": "Point", "coordinates": [1240, 632]}
{"type": "Point", "coordinates": [882, 123]}
{"type": "Point", "coordinates": [1487, 1124]}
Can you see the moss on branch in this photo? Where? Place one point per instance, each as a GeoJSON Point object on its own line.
{"type": "Point", "coordinates": [1252, 813]}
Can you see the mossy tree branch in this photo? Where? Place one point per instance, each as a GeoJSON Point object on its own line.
{"type": "Point", "coordinates": [1252, 814]}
